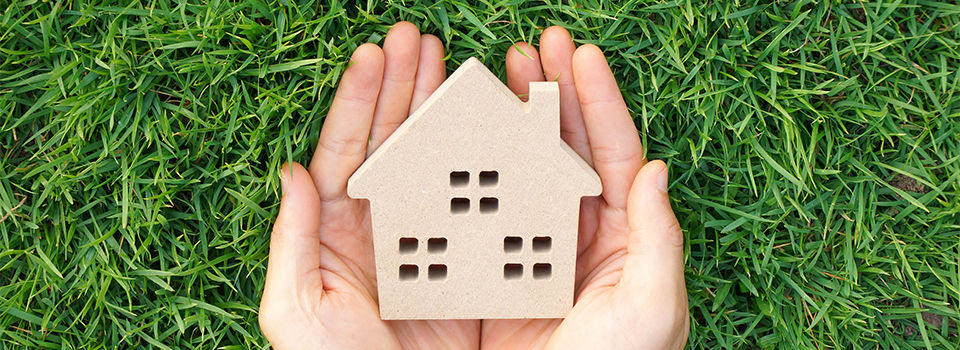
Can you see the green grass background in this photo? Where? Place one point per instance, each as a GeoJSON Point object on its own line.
{"type": "Point", "coordinates": [813, 146]}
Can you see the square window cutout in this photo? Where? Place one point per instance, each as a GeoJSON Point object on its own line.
{"type": "Point", "coordinates": [512, 244]}
{"type": "Point", "coordinates": [436, 245]}
{"type": "Point", "coordinates": [542, 271]}
{"type": "Point", "coordinates": [512, 271]}
{"type": "Point", "coordinates": [489, 205]}
{"type": "Point", "coordinates": [489, 178]}
{"type": "Point", "coordinates": [542, 244]}
{"type": "Point", "coordinates": [408, 245]}
{"type": "Point", "coordinates": [409, 272]}
{"type": "Point", "coordinates": [437, 272]}
{"type": "Point", "coordinates": [459, 205]}
{"type": "Point", "coordinates": [459, 178]}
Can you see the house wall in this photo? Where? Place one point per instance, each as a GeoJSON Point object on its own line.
{"type": "Point", "coordinates": [477, 249]}
{"type": "Point", "coordinates": [535, 198]}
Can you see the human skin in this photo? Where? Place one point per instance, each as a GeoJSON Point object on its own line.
{"type": "Point", "coordinates": [321, 288]}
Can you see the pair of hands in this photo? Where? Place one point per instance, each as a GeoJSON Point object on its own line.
{"type": "Point", "coordinates": [321, 289]}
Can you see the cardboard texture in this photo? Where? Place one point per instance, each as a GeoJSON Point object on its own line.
{"type": "Point", "coordinates": [475, 204]}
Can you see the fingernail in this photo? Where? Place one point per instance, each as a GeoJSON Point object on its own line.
{"type": "Point", "coordinates": [662, 180]}
{"type": "Point", "coordinates": [283, 182]}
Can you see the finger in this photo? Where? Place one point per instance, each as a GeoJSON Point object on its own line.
{"type": "Point", "coordinates": [655, 245]}
{"type": "Point", "coordinates": [557, 48]}
{"type": "Point", "coordinates": [294, 260]}
{"type": "Point", "coordinates": [431, 70]}
{"type": "Point", "coordinates": [614, 142]}
{"type": "Point", "coordinates": [523, 66]}
{"type": "Point", "coordinates": [401, 52]}
{"type": "Point", "coordinates": [346, 129]}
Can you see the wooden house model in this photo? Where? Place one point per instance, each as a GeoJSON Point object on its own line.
{"type": "Point", "coordinates": [475, 204]}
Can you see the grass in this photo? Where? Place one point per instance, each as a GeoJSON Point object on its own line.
{"type": "Point", "coordinates": [814, 148]}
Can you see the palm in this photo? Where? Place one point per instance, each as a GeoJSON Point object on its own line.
{"type": "Point", "coordinates": [345, 313]}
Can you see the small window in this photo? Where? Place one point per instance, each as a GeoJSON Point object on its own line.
{"type": "Point", "coordinates": [542, 271]}
{"type": "Point", "coordinates": [437, 245]}
{"type": "Point", "coordinates": [408, 245]}
{"type": "Point", "coordinates": [489, 178]}
{"type": "Point", "coordinates": [437, 272]}
{"type": "Point", "coordinates": [459, 179]}
{"type": "Point", "coordinates": [489, 205]}
{"type": "Point", "coordinates": [409, 272]}
{"type": "Point", "coordinates": [541, 244]}
{"type": "Point", "coordinates": [512, 244]}
{"type": "Point", "coordinates": [512, 271]}
{"type": "Point", "coordinates": [459, 205]}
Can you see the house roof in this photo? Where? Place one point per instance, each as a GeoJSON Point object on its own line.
{"type": "Point", "coordinates": [471, 76]}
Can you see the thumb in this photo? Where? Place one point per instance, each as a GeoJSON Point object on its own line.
{"type": "Point", "coordinates": [295, 241]}
{"type": "Point", "coordinates": [654, 260]}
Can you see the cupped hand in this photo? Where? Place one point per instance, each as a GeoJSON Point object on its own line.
{"type": "Point", "coordinates": [321, 289]}
{"type": "Point", "coordinates": [630, 287]}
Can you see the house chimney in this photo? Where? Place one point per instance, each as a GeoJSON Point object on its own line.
{"type": "Point", "coordinates": [543, 103]}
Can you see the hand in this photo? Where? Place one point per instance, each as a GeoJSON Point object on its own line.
{"type": "Point", "coordinates": [321, 289]}
{"type": "Point", "coordinates": [630, 287]}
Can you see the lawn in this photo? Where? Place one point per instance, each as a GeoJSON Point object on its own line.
{"type": "Point", "coordinates": [814, 149]}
